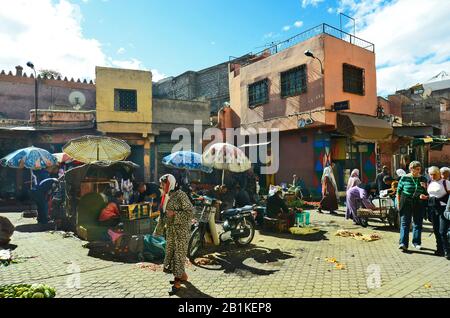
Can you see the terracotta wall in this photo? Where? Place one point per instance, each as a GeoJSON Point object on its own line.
{"type": "Point", "coordinates": [296, 157]}
{"type": "Point", "coordinates": [338, 52]}
{"type": "Point", "coordinates": [17, 94]}
{"type": "Point", "coordinates": [322, 91]}
{"type": "Point", "coordinates": [270, 68]}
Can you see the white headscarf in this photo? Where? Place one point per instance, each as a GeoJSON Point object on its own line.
{"type": "Point", "coordinates": [400, 172]}
{"type": "Point", "coordinates": [170, 185]}
{"type": "Point", "coordinates": [354, 180]}
{"type": "Point", "coordinates": [328, 172]}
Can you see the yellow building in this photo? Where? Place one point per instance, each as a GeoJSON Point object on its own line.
{"type": "Point", "coordinates": [124, 110]}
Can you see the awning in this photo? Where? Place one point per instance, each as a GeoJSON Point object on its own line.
{"type": "Point", "coordinates": [364, 128]}
{"type": "Point", "coordinates": [430, 140]}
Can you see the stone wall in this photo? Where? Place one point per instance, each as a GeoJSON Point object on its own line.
{"type": "Point", "coordinates": [210, 84]}
{"type": "Point", "coordinates": [17, 94]}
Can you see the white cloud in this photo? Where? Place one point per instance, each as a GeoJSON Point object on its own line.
{"type": "Point", "coordinates": [410, 46]}
{"type": "Point", "coordinates": [298, 24]}
{"type": "Point", "coordinates": [49, 34]}
{"type": "Point", "coordinates": [121, 50]}
{"type": "Point", "coordinates": [330, 10]}
{"type": "Point", "coordinates": [314, 3]}
{"type": "Point", "coordinates": [286, 28]}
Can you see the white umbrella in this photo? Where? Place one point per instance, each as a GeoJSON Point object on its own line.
{"type": "Point", "coordinates": [224, 156]}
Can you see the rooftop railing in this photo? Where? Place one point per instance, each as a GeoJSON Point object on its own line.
{"type": "Point", "coordinates": [308, 34]}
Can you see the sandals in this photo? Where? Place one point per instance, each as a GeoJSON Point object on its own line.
{"type": "Point", "coordinates": [183, 279]}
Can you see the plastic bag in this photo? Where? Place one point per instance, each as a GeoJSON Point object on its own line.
{"type": "Point", "coordinates": [154, 247]}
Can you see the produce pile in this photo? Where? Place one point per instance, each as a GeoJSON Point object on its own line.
{"type": "Point", "coordinates": [27, 291]}
{"type": "Point", "coordinates": [359, 236]}
{"type": "Point", "coordinates": [337, 265]}
{"type": "Point", "coordinates": [304, 230]}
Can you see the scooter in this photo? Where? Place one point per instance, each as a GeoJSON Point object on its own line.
{"type": "Point", "coordinates": [239, 225]}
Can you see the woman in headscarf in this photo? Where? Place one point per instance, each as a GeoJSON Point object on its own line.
{"type": "Point", "coordinates": [330, 194]}
{"type": "Point", "coordinates": [359, 197]}
{"type": "Point", "coordinates": [176, 216]}
{"type": "Point", "coordinates": [354, 180]}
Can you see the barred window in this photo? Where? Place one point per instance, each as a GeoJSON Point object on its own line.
{"type": "Point", "coordinates": [258, 93]}
{"type": "Point", "coordinates": [293, 81]}
{"type": "Point", "coordinates": [125, 100]}
{"type": "Point", "coordinates": [353, 79]}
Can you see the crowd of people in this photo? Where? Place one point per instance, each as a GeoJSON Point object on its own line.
{"type": "Point", "coordinates": [417, 196]}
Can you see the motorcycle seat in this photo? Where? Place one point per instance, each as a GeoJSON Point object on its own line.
{"type": "Point", "coordinates": [232, 212]}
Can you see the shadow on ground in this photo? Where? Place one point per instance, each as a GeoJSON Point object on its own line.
{"type": "Point", "coordinates": [34, 228]}
{"type": "Point", "coordinates": [231, 259]}
{"type": "Point", "coordinates": [106, 252]}
{"type": "Point", "coordinates": [313, 237]}
{"type": "Point", "coordinates": [190, 291]}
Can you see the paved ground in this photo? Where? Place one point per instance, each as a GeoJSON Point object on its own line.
{"type": "Point", "coordinates": [275, 266]}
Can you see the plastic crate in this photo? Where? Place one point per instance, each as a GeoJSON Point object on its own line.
{"type": "Point", "coordinates": [141, 226]}
{"type": "Point", "coordinates": [135, 211]}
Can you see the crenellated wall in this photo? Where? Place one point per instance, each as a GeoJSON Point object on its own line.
{"type": "Point", "coordinates": [17, 93]}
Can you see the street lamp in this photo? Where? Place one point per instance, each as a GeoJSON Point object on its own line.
{"type": "Point", "coordinates": [31, 65]}
{"type": "Point", "coordinates": [308, 53]}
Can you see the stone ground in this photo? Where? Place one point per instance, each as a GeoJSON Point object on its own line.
{"type": "Point", "coordinates": [276, 265]}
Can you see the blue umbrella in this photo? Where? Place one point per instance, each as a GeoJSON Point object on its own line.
{"type": "Point", "coordinates": [186, 160]}
{"type": "Point", "coordinates": [30, 158]}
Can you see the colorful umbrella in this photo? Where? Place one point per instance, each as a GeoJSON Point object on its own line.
{"type": "Point", "coordinates": [186, 160]}
{"type": "Point", "coordinates": [89, 149]}
{"type": "Point", "coordinates": [30, 158]}
{"type": "Point", "coordinates": [225, 156]}
{"type": "Point", "coordinates": [63, 157]}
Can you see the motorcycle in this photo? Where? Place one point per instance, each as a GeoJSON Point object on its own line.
{"type": "Point", "coordinates": [239, 225]}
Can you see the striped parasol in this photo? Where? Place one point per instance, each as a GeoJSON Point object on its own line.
{"type": "Point", "coordinates": [89, 149]}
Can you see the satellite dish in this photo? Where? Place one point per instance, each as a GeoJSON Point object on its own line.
{"type": "Point", "coordinates": [77, 100]}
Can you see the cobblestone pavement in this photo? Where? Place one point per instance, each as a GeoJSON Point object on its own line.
{"type": "Point", "coordinates": [277, 265]}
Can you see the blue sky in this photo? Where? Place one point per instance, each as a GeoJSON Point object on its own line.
{"type": "Point", "coordinates": [170, 37]}
{"type": "Point", "coordinates": [178, 35]}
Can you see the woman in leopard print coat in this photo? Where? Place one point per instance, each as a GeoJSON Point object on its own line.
{"type": "Point", "coordinates": [177, 218]}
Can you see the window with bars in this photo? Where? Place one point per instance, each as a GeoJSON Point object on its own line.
{"type": "Point", "coordinates": [125, 100]}
{"type": "Point", "coordinates": [353, 79]}
{"type": "Point", "coordinates": [293, 81]}
{"type": "Point", "coordinates": [258, 93]}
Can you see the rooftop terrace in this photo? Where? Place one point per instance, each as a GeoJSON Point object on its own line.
{"type": "Point", "coordinates": [306, 35]}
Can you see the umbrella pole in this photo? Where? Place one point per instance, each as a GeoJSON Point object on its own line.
{"type": "Point", "coordinates": [223, 176]}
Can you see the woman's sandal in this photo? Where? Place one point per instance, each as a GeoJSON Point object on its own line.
{"type": "Point", "coordinates": [183, 279]}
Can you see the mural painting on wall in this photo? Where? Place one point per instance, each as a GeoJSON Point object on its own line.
{"type": "Point", "coordinates": [338, 155]}
{"type": "Point", "coordinates": [322, 158]}
{"type": "Point", "coordinates": [369, 164]}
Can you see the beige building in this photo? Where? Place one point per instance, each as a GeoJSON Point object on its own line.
{"type": "Point", "coordinates": [124, 110]}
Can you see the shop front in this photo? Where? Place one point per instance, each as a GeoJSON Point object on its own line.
{"type": "Point", "coordinates": [356, 145]}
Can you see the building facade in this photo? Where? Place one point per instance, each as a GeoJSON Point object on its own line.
{"type": "Point", "coordinates": [210, 84]}
{"type": "Point", "coordinates": [324, 107]}
{"type": "Point", "coordinates": [124, 111]}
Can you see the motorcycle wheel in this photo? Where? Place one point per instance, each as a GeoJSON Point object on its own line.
{"type": "Point", "coordinates": [250, 224]}
{"type": "Point", "coordinates": [195, 244]}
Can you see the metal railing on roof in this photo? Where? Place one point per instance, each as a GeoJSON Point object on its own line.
{"type": "Point", "coordinates": [306, 35]}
